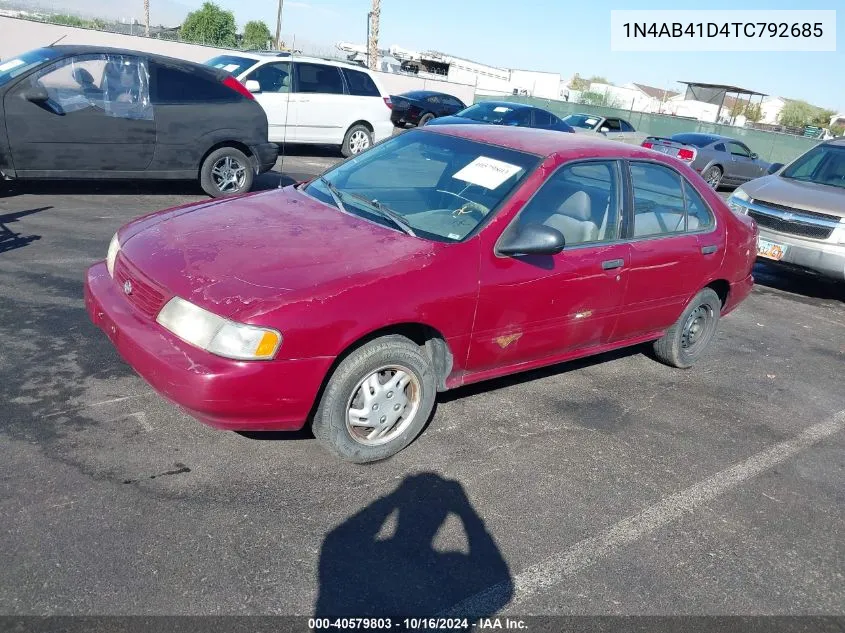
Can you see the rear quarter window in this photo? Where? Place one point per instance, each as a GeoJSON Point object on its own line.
{"type": "Point", "coordinates": [360, 84]}
{"type": "Point", "coordinates": [174, 85]}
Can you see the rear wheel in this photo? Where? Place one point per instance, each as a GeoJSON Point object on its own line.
{"type": "Point", "coordinates": [713, 176]}
{"type": "Point", "coordinates": [425, 118]}
{"type": "Point", "coordinates": [226, 172]}
{"type": "Point", "coordinates": [376, 401]}
{"type": "Point", "coordinates": [689, 337]}
{"type": "Point", "coordinates": [358, 138]}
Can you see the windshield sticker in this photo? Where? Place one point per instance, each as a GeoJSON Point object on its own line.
{"type": "Point", "coordinates": [591, 121]}
{"type": "Point", "coordinates": [14, 63]}
{"type": "Point", "coordinates": [487, 172]}
{"type": "Point", "coordinates": [501, 109]}
{"type": "Point", "coordinates": [229, 68]}
{"type": "Point", "coordinates": [454, 236]}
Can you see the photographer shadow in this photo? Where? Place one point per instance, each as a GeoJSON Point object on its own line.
{"type": "Point", "coordinates": [389, 559]}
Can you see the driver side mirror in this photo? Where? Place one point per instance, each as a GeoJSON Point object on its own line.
{"type": "Point", "coordinates": [604, 129]}
{"type": "Point", "coordinates": [754, 155]}
{"type": "Point", "coordinates": [252, 85]}
{"type": "Point", "coordinates": [36, 94]}
{"type": "Point", "coordinates": [774, 168]}
{"type": "Point", "coordinates": [532, 239]}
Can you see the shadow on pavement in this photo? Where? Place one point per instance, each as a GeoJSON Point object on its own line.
{"type": "Point", "coordinates": [9, 240]}
{"type": "Point", "coordinates": [798, 282]}
{"type": "Point", "coordinates": [385, 560]}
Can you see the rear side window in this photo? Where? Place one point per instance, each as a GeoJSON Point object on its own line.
{"type": "Point", "coordinates": [664, 203]}
{"type": "Point", "coordinates": [360, 84]}
{"type": "Point", "coordinates": [317, 78]}
{"type": "Point", "coordinates": [698, 214]}
{"type": "Point", "coordinates": [173, 85]}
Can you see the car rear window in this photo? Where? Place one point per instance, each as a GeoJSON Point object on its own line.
{"type": "Point", "coordinates": [698, 140]}
{"type": "Point", "coordinates": [360, 84]}
{"type": "Point", "coordinates": [172, 85]}
{"type": "Point", "coordinates": [231, 63]}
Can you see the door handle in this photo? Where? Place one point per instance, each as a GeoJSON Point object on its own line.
{"type": "Point", "coordinates": [709, 250]}
{"type": "Point", "coordinates": [610, 264]}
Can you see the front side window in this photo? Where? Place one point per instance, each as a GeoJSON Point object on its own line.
{"type": "Point", "coordinates": [317, 78]}
{"type": "Point", "coordinates": [584, 121]}
{"type": "Point", "coordinates": [274, 77]}
{"type": "Point", "coordinates": [664, 203]}
{"type": "Point", "coordinates": [580, 200]}
{"type": "Point", "coordinates": [360, 83]}
{"type": "Point", "coordinates": [440, 187]}
{"type": "Point", "coordinates": [737, 149]}
{"type": "Point", "coordinates": [824, 164]}
{"type": "Point", "coordinates": [612, 125]}
{"type": "Point", "coordinates": [117, 85]}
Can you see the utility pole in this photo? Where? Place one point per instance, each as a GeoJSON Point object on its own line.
{"type": "Point", "coordinates": [147, 17]}
{"type": "Point", "coordinates": [372, 40]}
{"type": "Point", "coordinates": [279, 26]}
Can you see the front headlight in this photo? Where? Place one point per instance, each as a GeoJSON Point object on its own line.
{"type": "Point", "coordinates": [737, 197]}
{"type": "Point", "coordinates": [111, 255]}
{"type": "Point", "coordinates": [217, 335]}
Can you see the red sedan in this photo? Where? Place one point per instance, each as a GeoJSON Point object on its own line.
{"type": "Point", "coordinates": [441, 257]}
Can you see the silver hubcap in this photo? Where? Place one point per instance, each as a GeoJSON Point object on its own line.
{"type": "Point", "coordinates": [359, 141]}
{"type": "Point", "coordinates": [696, 327]}
{"type": "Point", "coordinates": [383, 405]}
{"type": "Point", "coordinates": [228, 174]}
{"type": "Point", "coordinates": [714, 178]}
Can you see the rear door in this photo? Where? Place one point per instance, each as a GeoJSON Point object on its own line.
{"type": "Point", "coordinates": [319, 105]}
{"type": "Point", "coordinates": [98, 118]}
{"type": "Point", "coordinates": [275, 81]}
{"type": "Point", "coordinates": [676, 248]}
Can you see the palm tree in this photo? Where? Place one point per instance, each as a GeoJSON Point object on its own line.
{"type": "Point", "coordinates": [147, 16]}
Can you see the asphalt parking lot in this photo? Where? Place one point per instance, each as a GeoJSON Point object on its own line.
{"type": "Point", "coordinates": [613, 485]}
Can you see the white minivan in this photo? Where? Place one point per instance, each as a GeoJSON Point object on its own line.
{"type": "Point", "coordinates": [314, 101]}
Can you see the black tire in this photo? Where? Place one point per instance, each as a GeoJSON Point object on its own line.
{"type": "Point", "coordinates": [344, 390]}
{"type": "Point", "coordinates": [713, 176]}
{"type": "Point", "coordinates": [351, 144]}
{"type": "Point", "coordinates": [689, 337]}
{"type": "Point", "coordinates": [244, 175]}
{"type": "Point", "coordinates": [425, 118]}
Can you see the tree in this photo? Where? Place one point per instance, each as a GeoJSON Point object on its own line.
{"type": "Point", "coordinates": [797, 114]}
{"type": "Point", "coordinates": [822, 117]}
{"type": "Point", "coordinates": [256, 35]}
{"type": "Point", "coordinates": [579, 83]}
{"type": "Point", "coordinates": [838, 130]}
{"type": "Point", "coordinates": [598, 99]}
{"type": "Point", "coordinates": [753, 112]}
{"type": "Point", "coordinates": [210, 25]}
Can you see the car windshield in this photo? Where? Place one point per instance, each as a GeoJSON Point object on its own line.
{"type": "Point", "coordinates": [487, 112]}
{"type": "Point", "coordinates": [584, 121]}
{"type": "Point", "coordinates": [231, 63]}
{"type": "Point", "coordinates": [824, 164]}
{"type": "Point", "coordinates": [11, 68]}
{"type": "Point", "coordinates": [441, 187]}
{"type": "Point", "coordinates": [698, 140]}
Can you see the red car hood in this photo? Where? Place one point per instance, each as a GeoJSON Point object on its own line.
{"type": "Point", "coordinates": [245, 256]}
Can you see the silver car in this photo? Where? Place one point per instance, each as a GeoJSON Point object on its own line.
{"type": "Point", "coordinates": [800, 210]}
{"type": "Point", "coordinates": [612, 128]}
{"type": "Point", "coordinates": [720, 160]}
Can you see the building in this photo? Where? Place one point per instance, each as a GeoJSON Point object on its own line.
{"type": "Point", "coordinates": [633, 96]}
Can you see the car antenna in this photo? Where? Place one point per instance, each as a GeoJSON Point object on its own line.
{"type": "Point", "coordinates": [57, 41]}
{"type": "Point", "coordinates": [287, 111]}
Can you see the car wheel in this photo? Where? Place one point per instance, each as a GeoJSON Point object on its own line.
{"type": "Point", "coordinates": [357, 139]}
{"type": "Point", "coordinates": [226, 172]}
{"type": "Point", "coordinates": [686, 340]}
{"type": "Point", "coordinates": [376, 401]}
{"type": "Point", "coordinates": [425, 118]}
{"type": "Point", "coordinates": [713, 176]}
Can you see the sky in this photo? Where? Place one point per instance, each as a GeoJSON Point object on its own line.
{"type": "Point", "coordinates": [565, 36]}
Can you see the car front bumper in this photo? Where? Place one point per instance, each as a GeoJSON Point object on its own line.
{"type": "Point", "coordinates": [227, 394]}
{"type": "Point", "coordinates": [265, 155]}
{"type": "Point", "coordinates": [824, 258]}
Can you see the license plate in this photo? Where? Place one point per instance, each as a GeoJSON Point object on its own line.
{"type": "Point", "coordinates": [665, 150]}
{"type": "Point", "coordinates": [770, 250]}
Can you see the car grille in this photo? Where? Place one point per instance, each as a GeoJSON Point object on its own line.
{"type": "Point", "coordinates": [143, 295]}
{"type": "Point", "coordinates": [792, 221]}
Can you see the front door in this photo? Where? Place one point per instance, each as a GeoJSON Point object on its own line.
{"type": "Point", "coordinates": [742, 165]}
{"type": "Point", "coordinates": [98, 117]}
{"type": "Point", "coordinates": [319, 104]}
{"type": "Point", "coordinates": [675, 249]}
{"type": "Point", "coordinates": [536, 307]}
{"type": "Point", "coordinates": [275, 81]}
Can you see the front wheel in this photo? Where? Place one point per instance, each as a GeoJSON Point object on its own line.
{"type": "Point", "coordinates": [713, 176]}
{"type": "Point", "coordinates": [226, 172]}
{"type": "Point", "coordinates": [689, 337]}
{"type": "Point", "coordinates": [376, 401]}
{"type": "Point", "coordinates": [357, 139]}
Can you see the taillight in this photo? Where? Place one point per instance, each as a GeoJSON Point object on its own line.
{"type": "Point", "coordinates": [388, 102]}
{"type": "Point", "coordinates": [648, 145]}
{"type": "Point", "coordinates": [237, 86]}
{"type": "Point", "coordinates": [686, 154]}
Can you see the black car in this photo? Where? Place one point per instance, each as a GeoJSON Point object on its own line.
{"type": "Point", "coordinates": [506, 113]}
{"type": "Point", "coordinates": [86, 112]}
{"type": "Point", "coordinates": [418, 107]}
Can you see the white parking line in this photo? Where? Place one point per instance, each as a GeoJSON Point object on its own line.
{"type": "Point", "coordinates": [591, 551]}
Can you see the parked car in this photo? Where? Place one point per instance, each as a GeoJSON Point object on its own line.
{"type": "Point", "coordinates": [509, 248]}
{"type": "Point", "coordinates": [800, 210]}
{"type": "Point", "coordinates": [418, 107]}
{"type": "Point", "coordinates": [720, 160]}
{"type": "Point", "coordinates": [88, 112]}
{"type": "Point", "coordinates": [505, 113]}
{"type": "Point", "coordinates": [612, 128]}
{"type": "Point", "coordinates": [314, 101]}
